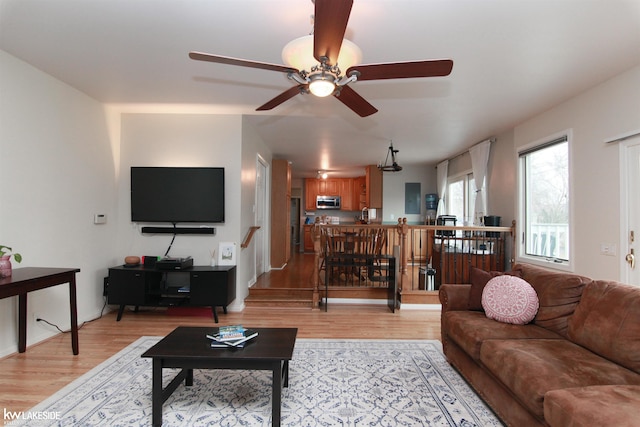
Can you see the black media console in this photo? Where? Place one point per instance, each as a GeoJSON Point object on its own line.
{"type": "Point", "coordinates": [198, 286]}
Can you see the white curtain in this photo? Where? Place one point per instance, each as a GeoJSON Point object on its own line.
{"type": "Point", "coordinates": [443, 170]}
{"type": "Point", "coordinates": [479, 160]}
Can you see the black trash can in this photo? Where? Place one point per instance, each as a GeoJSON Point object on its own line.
{"type": "Point", "coordinates": [492, 221]}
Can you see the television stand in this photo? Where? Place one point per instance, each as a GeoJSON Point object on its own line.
{"type": "Point", "coordinates": [199, 286]}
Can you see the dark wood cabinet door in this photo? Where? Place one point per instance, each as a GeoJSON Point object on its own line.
{"type": "Point", "coordinates": [212, 288]}
{"type": "Point", "coordinates": [126, 287]}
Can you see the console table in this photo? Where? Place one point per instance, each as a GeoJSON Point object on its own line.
{"type": "Point", "coordinates": [198, 286]}
{"type": "Point", "coordinates": [28, 279]}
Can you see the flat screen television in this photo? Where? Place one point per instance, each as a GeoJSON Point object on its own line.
{"type": "Point", "coordinates": [177, 194]}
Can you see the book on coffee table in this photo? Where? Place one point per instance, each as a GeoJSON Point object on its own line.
{"type": "Point", "coordinates": [230, 333]}
{"type": "Point", "coordinates": [220, 341]}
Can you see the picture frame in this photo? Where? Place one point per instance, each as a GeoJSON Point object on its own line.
{"type": "Point", "coordinates": [227, 253]}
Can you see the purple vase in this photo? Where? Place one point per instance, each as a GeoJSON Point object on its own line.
{"type": "Point", "coordinates": [5, 266]}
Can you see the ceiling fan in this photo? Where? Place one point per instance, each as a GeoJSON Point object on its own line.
{"type": "Point", "coordinates": [325, 77]}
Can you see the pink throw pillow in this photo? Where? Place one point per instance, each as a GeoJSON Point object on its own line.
{"type": "Point", "coordinates": [510, 299]}
{"type": "Point", "coordinates": [479, 279]}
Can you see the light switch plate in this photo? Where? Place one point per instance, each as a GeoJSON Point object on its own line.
{"type": "Point", "coordinates": [609, 249]}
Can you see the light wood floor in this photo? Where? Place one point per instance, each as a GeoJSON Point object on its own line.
{"type": "Point", "coordinates": [296, 274]}
{"type": "Point", "coordinates": [30, 377]}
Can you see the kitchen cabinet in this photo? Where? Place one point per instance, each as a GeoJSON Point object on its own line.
{"type": "Point", "coordinates": [346, 194]}
{"type": "Point", "coordinates": [308, 238]}
{"type": "Point", "coordinates": [352, 192]}
{"type": "Point", "coordinates": [280, 213]}
{"type": "Point", "coordinates": [374, 187]}
{"type": "Point", "coordinates": [329, 187]}
{"type": "Point", "coordinates": [311, 192]}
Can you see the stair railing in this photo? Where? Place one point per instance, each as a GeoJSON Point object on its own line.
{"type": "Point", "coordinates": [417, 244]}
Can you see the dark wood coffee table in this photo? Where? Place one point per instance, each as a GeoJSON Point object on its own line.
{"type": "Point", "coordinates": [188, 348]}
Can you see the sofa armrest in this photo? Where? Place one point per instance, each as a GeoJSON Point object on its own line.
{"type": "Point", "coordinates": [613, 405]}
{"type": "Point", "coordinates": [454, 297]}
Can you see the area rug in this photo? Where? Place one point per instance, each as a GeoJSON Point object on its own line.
{"type": "Point", "coordinates": [331, 383]}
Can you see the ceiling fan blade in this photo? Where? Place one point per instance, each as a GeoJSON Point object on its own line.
{"type": "Point", "coordinates": [199, 56]}
{"type": "Point", "coordinates": [330, 24]}
{"type": "Point", "coordinates": [284, 96]}
{"type": "Point", "coordinates": [403, 70]}
{"type": "Point", "coordinates": [351, 99]}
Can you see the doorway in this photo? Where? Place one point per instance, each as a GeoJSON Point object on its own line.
{"type": "Point", "coordinates": [295, 224]}
{"type": "Point", "coordinates": [260, 215]}
{"type": "Point", "coordinates": [630, 210]}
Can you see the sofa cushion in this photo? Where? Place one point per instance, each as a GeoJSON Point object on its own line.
{"type": "Point", "coordinates": [470, 328]}
{"type": "Point", "coordinates": [510, 299]}
{"type": "Point", "coordinates": [558, 293]}
{"type": "Point", "coordinates": [478, 279]}
{"type": "Point", "coordinates": [607, 405]}
{"type": "Point", "coordinates": [531, 368]}
{"type": "Point", "coordinates": [607, 321]}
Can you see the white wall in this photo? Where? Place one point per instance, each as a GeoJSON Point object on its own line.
{"type": "Point", "coordinates": [501, 176]}
{"type": "Point", "coordinates": [180, 140]}
{"type": "Point", "coordinates": [605, 111]}
{"type": "Point", "coordinates": [58, 171]}
{"type": "Point", "coordinates": [393, 191]}
{"type": "Point", "coordinates": [600, 113]}
{"type": "Point", "coordinates": [69, 157]}
{"type": "Point", "coordinates": [63, 159]}
{"type": "Point", "coordinates": [189, 139]}
{"type": "Point", "coordinates": [501, 179]}
{"type": "Point", "coordinates": [502, 182]}
{"type": "Point", "coordinates": [252, 146]}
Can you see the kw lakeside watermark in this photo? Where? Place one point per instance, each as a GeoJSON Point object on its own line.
{"type": "Point", "coordinates": [20, 418]}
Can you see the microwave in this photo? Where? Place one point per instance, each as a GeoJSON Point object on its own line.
{"type": "Point", "coordinates": [327, 202]}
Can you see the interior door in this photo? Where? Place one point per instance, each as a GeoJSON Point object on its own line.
{"type": "Point", "coordinates": [630, 236]}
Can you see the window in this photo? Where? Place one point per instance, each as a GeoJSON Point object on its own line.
{"type": "Point", "coordinates": [461, 198]}
{"type": "Point", "coordinates": [544, 201]}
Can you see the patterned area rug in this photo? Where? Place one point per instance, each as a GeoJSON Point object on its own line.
{"type": "Point", "coordinates": [331, 383]}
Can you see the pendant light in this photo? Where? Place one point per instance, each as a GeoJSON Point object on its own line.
{"type": "Point", "coordinates": [394, 166]}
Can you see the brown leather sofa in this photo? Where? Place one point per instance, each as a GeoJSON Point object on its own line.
{"type": "Point", "coordinates": [576, 364]}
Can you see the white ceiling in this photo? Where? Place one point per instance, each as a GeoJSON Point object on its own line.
{"type": "Point", "coordinates": [512, 59]}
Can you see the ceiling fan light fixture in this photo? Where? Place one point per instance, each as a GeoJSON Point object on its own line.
{"type": "Point", "coordinates": [326, 52]}
{"type": "Point", "coordinates": [298, 53]}
{"type": "Point", "coordinates": [321, 84]}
